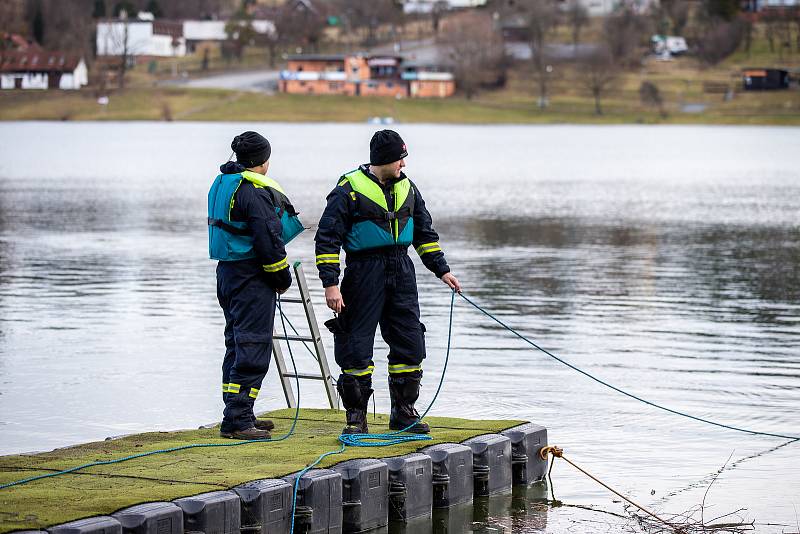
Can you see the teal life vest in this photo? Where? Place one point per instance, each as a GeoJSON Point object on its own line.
{"type": "Point", "coordinates": [375, 223]}
{"type": "Point", "coordinates": [230, 240]}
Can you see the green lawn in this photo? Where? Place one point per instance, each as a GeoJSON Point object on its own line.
{"type": "Point", "coordinates": [515, 105]}
{"type": "Point", "coordinates": [682, 81]}
{"type": "Point", "coordinates": [105, 489]}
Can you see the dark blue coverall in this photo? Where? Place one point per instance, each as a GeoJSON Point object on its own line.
{"type": "Point", "coordinates": [247, 294]}
{"type": "Point", "coordinates": [379, 286]}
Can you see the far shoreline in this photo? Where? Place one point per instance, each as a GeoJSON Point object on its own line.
{"type": "Point", "coordinates": [161, 104]}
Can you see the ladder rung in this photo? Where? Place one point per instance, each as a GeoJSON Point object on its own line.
{"type": "Point", "coordinates": [281, 337]}
{"type": "Point", "coordinates": [292, 300]}
{"type": "Point", "coordinates": [304, 376]}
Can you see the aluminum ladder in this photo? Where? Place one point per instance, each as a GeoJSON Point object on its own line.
{"type": "Point", "coordinates": [287, 375]}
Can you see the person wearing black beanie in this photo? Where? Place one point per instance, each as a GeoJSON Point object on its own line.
{"type": "Point", "coordinates": [251, 149]}
{"type": "Point", "coordinates": [374, 213]}
{"type": "Point", "coordinates": [248, 215]}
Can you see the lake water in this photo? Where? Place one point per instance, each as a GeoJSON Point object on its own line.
{"type": "Point", "coordinates": [664, 260]}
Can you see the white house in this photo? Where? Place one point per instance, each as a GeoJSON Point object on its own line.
{"type": "Point", "coordinates": [140, 37]}
{"type": "Point", "coordinates": [602, 8]}
{"type": "Point", "coordinates": [758, 5]}
{"type": "Point", "coordinates": [42, 70]}
{"type": "Point", "coordinates": [427, 6]}
{"type": "Point", "coordinates": [213, 31]}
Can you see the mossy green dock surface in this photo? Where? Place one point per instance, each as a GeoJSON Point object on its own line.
{"type": "Point", "coordinates": [105, 489]}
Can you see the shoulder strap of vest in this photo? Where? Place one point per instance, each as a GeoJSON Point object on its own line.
{"type": "Point", "coordinates": [262, 181]}
{"type": "Point", "coordinates": [363, 184]}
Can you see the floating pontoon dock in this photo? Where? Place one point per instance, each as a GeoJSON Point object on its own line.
{"type": "Point", "coordinates": [248, 488]}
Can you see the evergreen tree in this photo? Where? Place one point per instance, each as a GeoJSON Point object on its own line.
{"type": "Point", "coordinates": [38, 25]}
{"type": "Point", "coordinates": [155, 8]}
{"type": "Point", "coordinates": [126, 6]}
{"type": "Point", "coordinates": [99, 10]}
{"type": "Point", "coordinates": [723, 9]}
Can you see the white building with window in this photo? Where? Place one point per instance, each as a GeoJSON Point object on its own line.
{"type": "Point", "coordinates": [427, 6]}
{"type": "Point", "coordinates": [213, 31]}
{"type": "Point", "coordinates": [42, 70]}
{"type": "Point", "coordinates": [602, 8]}
{"type": "Point", "coordinates": [140, 37]}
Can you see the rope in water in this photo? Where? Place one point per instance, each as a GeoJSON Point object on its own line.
{"type": "Point", "coordinates": [182, 447]}
{"type": "Point", "coordinates": [558, 452]}
{"type": "Point", "coordinates": [618, 390]}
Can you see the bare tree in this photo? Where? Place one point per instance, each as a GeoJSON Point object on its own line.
{"type": "Point", "coordinates": [476, 52]}
{"type": "Point", "coordinates": [625, 33]}
{"type": "Point", "coordinates": [577, 17]}
{"type": "Point", "coordinates": [123, 59]}
{"type": "Point", "coordinates": [677, 11]}
{"type": "Point", "coordinates": [198, 9]}
{"type": "Point", "coordinates": [240, 33]}
{"type": "Point", "coordinates": [437, 12]}
{"type": "Point", "coordinates": [778, 30]}
{"type": "Point", "coordinates": [598, 71]}
{"type": "Point", "coordinates": [368, 16]}
{"type": "Point", "coordinates": [540, 20]}
{"type": "Point", "coordinates": [719, 40]}
{"type": "Point", "coordinates": [748, 29]}
{"type": "Point", "coordinates": [795, 16]}
{"type": "Point", "coordinates": [114, 40]}
{"type": "Point", "coordinates": [68, 25]}
{"type": "Point", "coordinates": [296, 27]}
{"type": "Point", "coordinates": [650, 96]}
{"type": "Point", "coordinates": [12, 16]}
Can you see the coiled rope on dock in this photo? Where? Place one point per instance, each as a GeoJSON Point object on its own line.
{"type": "Point", "coordinates": [382, 440]}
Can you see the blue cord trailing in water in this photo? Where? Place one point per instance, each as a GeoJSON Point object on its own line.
{"type": "Point", "coordinates": [618, 390]}
{"type": "Point", "coordinates": [380, 440]}
{"type": "Point", "coordinates": [182, 447]}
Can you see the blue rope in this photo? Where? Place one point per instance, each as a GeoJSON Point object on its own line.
{"type": "Point", "coordinates": [305, 343]}
{"type": "Point", "coordinates": [618, 390]}
{"type": "Point", "coordinates": [182, 447]}
{"type": "Point", "coordinates": [394, 438]}
{"type": "Point", "coordinates": [386, 439]}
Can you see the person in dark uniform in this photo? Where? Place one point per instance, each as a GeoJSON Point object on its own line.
{"type": "Point", "coordinates": [375, 212]}
{"type": "Point", "coordinates": [247, 236]}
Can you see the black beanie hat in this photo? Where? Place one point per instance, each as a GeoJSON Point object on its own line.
{"type": "Point", "coordinates": [251, 148]}
{"type": "Point", "coordinates": [385, 147]}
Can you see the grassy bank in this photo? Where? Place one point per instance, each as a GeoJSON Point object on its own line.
{"type": "Point", "coordinates": [682, 83]}
{"type": "Point", "coordinates": [512, 106]}
{"type": "Point", "coordinates": [105, 489]}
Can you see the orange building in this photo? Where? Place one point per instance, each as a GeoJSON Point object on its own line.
{"type": "Point", "coordinates": [360, 75]}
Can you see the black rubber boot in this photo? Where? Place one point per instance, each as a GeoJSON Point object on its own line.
{"type": "Point", "coordinates": [404, 391]}
{"type": "Point", "coordinates": [355, 393]}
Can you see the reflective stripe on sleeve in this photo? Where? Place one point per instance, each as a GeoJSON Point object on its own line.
{"type": "Point", "coordinates": [277, 266]}
{"type": "Point", "coordinates": [253, 393]}
{"type": "Point", "coordinates": [428, 247]}
{"type": "Point", "coordinates": [327, 258]}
